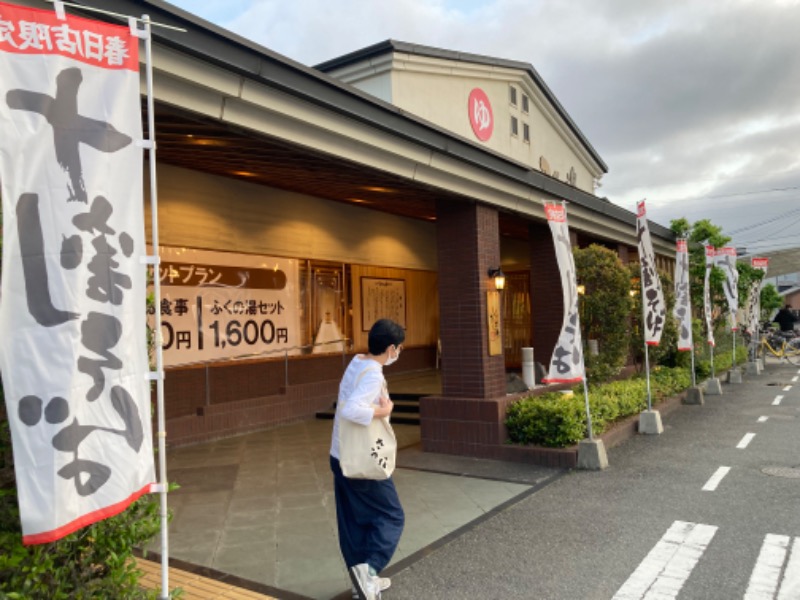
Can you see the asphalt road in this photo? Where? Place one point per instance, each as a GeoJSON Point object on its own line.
{"type": "Point", "coordinates": [645, 527]}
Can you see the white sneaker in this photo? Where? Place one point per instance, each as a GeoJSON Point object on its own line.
{"type": "Point", "coordinates": [366, 585]}
{"type": "Point", "coordinates": [384, 583]}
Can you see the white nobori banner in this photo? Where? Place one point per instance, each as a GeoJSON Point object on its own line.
{"type": "Point", "coordinates": [653, 304]}
{"type": "Point", "coordinates": [707, 308]}
{"type": "Point", "coordinates": [566, 364]}
{"type": "Point", "coordinates": [683, 305]}
{"type": "Point", "coordinates": [74, 353]}
{"type": "Point", "coordinates": [726, 260]}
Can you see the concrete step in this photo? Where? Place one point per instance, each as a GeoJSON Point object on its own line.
{"type": "Point", "coordinates": [406, 409]}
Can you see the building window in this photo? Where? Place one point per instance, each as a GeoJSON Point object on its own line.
{"type": "Point", "coordinates": [514, 126]}
{"type": "Point", "coordinates": [512, 95]}
{"type": "Point", "coordinates": [526, 132]}
{"type": "Point", "coordinates": [525, 104]}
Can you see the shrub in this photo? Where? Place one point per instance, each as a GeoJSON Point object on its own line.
{"type": "Point", "coordinates": [93, 562]}
{"type": "Point", "coordinates": [556, 420]}
{"type": "Point", "coordinates": [604, 309]}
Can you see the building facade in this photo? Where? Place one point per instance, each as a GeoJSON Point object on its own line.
{"type": "Point", "coordinates": [327, 197]}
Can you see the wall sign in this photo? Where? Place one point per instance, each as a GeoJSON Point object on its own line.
{"type": "Point", "coordinates": [382, 299]}
{"type": "Point", "coordinates": [222, 305]}
{"type": "Point", "coordinates": [480, 114]}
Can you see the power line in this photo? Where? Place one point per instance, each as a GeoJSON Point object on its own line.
{"type": "Point", "coordinates": [794, 187]}
{"type": "Point", "coordinates": [768, 221]}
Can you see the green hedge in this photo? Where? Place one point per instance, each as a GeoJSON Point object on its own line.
{"type": "Point", "coordinates": [557, 420]}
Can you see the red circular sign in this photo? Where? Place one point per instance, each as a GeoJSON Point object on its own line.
{"type": "Point", "coordinates": [480, 114]}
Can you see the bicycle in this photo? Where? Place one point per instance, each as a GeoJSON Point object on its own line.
{"type": "Point", "coordinates": [780, 344]}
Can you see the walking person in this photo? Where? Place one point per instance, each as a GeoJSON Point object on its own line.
{"type": "Point", "coordinates": [368, 512]}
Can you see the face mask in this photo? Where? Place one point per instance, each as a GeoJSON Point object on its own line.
{"type": "Point", "coordinates": [392, 359]}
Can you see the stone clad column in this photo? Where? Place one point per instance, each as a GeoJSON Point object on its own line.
{"type": "Point", "coordinates": [468, 419]}
{"type": "Point", "coordinates": [468, 245]}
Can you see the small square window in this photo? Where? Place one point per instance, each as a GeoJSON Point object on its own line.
{"type": "Point", "coordinates": [526, 132]}
{"type": "Point", "coordinates": [513, 95]}
{"type": "Point", "coordinates": [525, 104]}
{"type": "Point", "coordinates": [514, 126]}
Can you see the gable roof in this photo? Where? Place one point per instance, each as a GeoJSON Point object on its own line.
{"type": "Point", "coordinates": [389, 46]}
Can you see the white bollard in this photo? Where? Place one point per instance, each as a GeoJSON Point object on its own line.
{"type": "Point", "coordinates": [528, 372]}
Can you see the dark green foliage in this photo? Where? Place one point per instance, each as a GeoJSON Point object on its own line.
{"type": "Point", "coordinates": [558, 420]}
{"type": "Point", "coordinates": [604, 309]}
{"type": "Point", "coordinates": [770, 300]}
{"type": "Point", "coordinates": [666, 351]}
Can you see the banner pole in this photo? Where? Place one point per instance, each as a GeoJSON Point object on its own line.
{"type": "Point", "coordinates": [588, 411]}
{"type": "Point", "coordinates": [734, 349]}
{"type": "Point", "coordinates": [647, 369]}
{"type": "Point", "coordinates": [644, 335]}
{"type": "Point", "coordinates": [711, 354]}
{"type": "Point", "coordinates": [162, 434]}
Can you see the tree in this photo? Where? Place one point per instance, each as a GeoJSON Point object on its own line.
{"type": "Point", "coordinates": [699, 235]}
{"type": "Point", "coordinates": [604, 309]}
{"type": "Point", "coordinates": [770, 300]}
{"type": "Point", "coordinates": [665, 352]}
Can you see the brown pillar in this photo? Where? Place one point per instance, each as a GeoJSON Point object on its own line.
{"type": "Point", "coordinates": [547, 305]}
{"type": "Point", "coordinates": [468, 419]}
{"type": "Point", "coordinates": [624, 255]}
{"type": "Point", "coordinates": [468, 245]}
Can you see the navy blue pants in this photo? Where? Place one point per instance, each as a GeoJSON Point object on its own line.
{"type": "Point", "coordinates": [369, 517]}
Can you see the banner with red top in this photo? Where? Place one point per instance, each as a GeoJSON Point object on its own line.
{"type": "Point", "coordinates": [653, 304]}
{"type": "Point", "coordinates": [566, 364]}
{"type": "Point", "coordinates": [683, 306]}
{"type": "Point", "coordinates": [74, 353]}
{"type": "Point", "coordinates": [707, 308]}
{"type": "Point", "coordinates": [726, 260]}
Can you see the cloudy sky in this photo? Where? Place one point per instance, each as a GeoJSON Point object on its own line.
{"type": "Point", "coordinates": [694, 105]}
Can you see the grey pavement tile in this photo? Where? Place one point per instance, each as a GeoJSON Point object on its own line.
{"type": "Point", "coordinates": [257, 537]}
{"type": "Point", "coordinates": [211, 516]}
{"type": "Point", "coordinates": [254, 504]}
{"type": "Point", "coordinates": [304, 570]}
{"type": "Point", "coordinates": [272, 518]}
{"type": "Point", "coordinates": [301, 514]}
{"type": "Point", "coordinates": [261, 568]}
{"type": "Point", "coordinates": [251, 519]}
{"type": "Point", "coordinates": [320, 527]}
{"type": "Point", "coordinates": [292, 502]}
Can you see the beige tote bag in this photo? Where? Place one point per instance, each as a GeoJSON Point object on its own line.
{"type": "Point", "coordinates": [366, 451]}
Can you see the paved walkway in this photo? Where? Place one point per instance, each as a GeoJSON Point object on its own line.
{"type": "Point", "coordinates": [259, 508]}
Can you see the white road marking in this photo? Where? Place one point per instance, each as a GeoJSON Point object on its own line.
{"type": "Point", "coordinates": [790, 586]}
{"type": "Point", "coordinates": [716, 478]}
{"type": "Point", "coordinates": [787, 388]}
{"type": "Point", "coordinates": [748, 437]}
{"type": "Point", "coordinates": [777, 400]}
{"type": "Point", "coordinates": [795, 378]}
{"type": "Point", "coordinates": [765, 580]}
{"type": "Point", "coordinates": [667, 566]}
{"type": "Point", "coordinates": [762, 419]}
{"type": "Point", "coordinates": [766, 574]}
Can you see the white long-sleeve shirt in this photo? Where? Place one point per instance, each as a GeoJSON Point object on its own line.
{"type": "Point", "coordinates": [358, 395]}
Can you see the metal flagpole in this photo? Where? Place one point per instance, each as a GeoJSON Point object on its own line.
{"type": "Point", "coordinates": [711, 350]}
{"type": "Point", "coordinates": [162, 434]}
{"type": "Point", "coordinates": [644, 336]}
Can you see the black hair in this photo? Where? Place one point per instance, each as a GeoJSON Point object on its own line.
{"type": "Point", "coordinates": [385, 333]}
